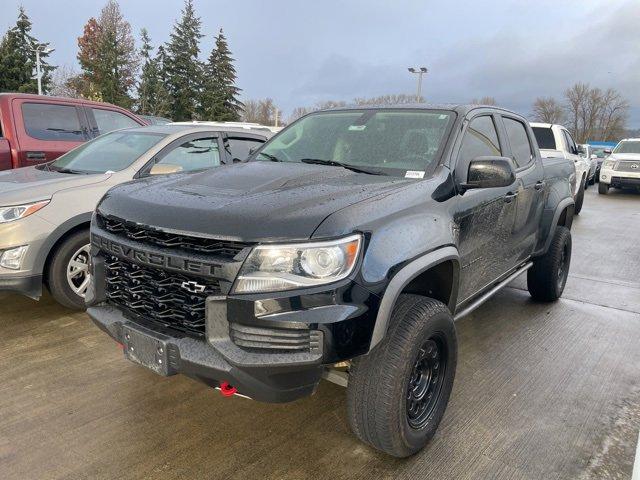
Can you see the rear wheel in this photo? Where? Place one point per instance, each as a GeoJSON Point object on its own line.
{"type": "Point", "coordinates": [398, 392]}
{"type": "Point", "coordinates": [547, 277]}
{"type": "Point", "coordinates": [603, 188]}
{"type": "Point", "coordinates": [68, 273]}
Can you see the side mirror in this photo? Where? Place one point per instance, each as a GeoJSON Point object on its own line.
{"type": "Point", "coordinates": [593, 156]}
{"type": "Point", "coordinates": [607, 151]}
{"type": "Point", "coordinates": [164, 168]}
{"type": "Point", "coordinates": [581, 150]}
{"type": "Point", "coordinates": [489, 172]}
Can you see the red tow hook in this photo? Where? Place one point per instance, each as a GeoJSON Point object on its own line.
{"type": "Point", "coordinates": [227, 390]}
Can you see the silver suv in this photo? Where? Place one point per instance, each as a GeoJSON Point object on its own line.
{"type": "Point", "coordinates": [45, 210]}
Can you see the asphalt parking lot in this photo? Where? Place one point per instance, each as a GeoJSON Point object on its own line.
{"type": "Point", "coordinates": [542, 391]}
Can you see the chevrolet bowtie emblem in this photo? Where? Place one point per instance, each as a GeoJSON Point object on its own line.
{"type": "Point", "coordinates": [193, 287]}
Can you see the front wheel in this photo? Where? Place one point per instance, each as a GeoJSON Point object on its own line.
{"type": "Point", "coordinates": [68, 273]}
{"type": "Point", "coordinates": [603, 188]}
{"type": "Point", "coordinates": [398, 392]}
{"type": "Point", "coordinates": [548, 275]}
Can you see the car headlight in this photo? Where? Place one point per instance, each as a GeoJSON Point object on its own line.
{"type": "Point", "coordinates": [273, 268]}
{"type": "Point", "coordinates": [609, 164]}
{"type": "Point", "coordinates": [15, 212]}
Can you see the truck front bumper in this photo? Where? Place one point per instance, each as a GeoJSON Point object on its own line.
{"type": "Point", "coordinates": [618, 179]}
{"type": "Point", "coordinates": [273, 378]}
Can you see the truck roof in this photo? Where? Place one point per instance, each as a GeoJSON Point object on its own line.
{"type": "Point", "coordinates": [461, 108]}
{"type": "Point", "coordinates": [34, 96]}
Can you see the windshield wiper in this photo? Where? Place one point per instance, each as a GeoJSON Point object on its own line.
{"type": "Point", "coordinates": [273, 158]}
{"type": "Point", "coordinates": [333, 163]}
{"type": "Point", "coordinates": [65, 170]}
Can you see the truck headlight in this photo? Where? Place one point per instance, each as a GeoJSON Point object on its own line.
{"type": "Point", "coordinates": [274, 268]}
{"type": "Point", "coordinates": [15, 212]}
{"type": "Point", "coordinates": [609, 164]}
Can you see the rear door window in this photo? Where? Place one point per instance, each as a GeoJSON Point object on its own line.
{"type": "Point", "coordinates": [196, 154]}
{"type": "Point", "coordinates": [108, 120]}
{"type": "Point", "coordinates": [49, 121]}
{"type": "Point", "coordinates": [545, 138]}
{"type": "Point", "coordinates": [519, 141]}
{"type": "Point", "coordinates": [239, 148]}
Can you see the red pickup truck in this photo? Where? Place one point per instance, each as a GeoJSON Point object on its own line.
{"type": "Point", "coordinates": [36, 129]}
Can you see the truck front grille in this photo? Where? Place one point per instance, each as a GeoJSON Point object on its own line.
{"type": "Point", "coordinates": [147, 235]}
{"type": "Point", "coordinates": [628, 166]}
{"type": "Point", "coordinates": [275, 339]}
{"type": "Point", "coordinates": [161, 297]}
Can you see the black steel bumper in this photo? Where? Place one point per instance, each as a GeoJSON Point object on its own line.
{"type": "Point", "coordinates": [30, 286]}
{"type": "Point", "coordinates": [266, 377]}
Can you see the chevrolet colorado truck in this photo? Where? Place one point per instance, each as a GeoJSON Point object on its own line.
{"type": "Point", "coordinates": [621, 169]}
{"type": "Point", "coordinates": [344, 248]}
{"type": "Point", "coordinates": [556, 141]}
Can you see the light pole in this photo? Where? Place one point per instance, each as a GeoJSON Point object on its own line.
{"type": "Point", "coordinates": [45, 50]}
{"type": "Point", "coordinates": [420, 71]}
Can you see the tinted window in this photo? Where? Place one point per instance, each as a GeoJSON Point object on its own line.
{"type": "Point", "coordinates": [47, 121]}
{"type": "Point", "coordinates": [571, 145]}
{"type": "Point", "coordinates": [519, 141]}
{"type": "Point", "coordinates": [480, 139]}
{"type": "Point", "coordinates": [545, 138]}
{"type": "Point", "coordinates": [239, 147]}
{"type": "Point", "coordinates": [194, 155]}
{"type": "Point", "coordinates": [112, 152]}
{"type": "Point", "coordinates": [108, 120]}
{"type": "Point", "coordinates": [386, 142]}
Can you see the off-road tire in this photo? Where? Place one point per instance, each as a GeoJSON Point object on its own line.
{"type": "Point", "coordinates": [603, 188]}
{"type": "Point", "coordinates": [547, 277]}
{"type": "Point", "coordinates": [379, 389]}
{"type": "Point", "coordinates": [580, 197]}
{"type": "Point", "coordinates": [56, 275]}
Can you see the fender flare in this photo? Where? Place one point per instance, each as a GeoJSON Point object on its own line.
{"type": "Point", "coordinates": [401, 279]}
{"type": "Point", "coordinates": [564, 204]}
{"type": "Point", "coordinates": [53, 238]}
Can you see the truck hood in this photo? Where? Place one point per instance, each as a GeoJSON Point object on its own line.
{"type": "Point", "coordinates": [30, 184]}
{"type": "Point", "coordinates": [624, 156]}
{"type": "Point", "coordinates": [255, 201]}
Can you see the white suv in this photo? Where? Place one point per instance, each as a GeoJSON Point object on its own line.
{"type": "Point", "coordinates": [621, 169]}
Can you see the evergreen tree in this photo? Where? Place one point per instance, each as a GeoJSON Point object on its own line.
{"type": "Point", "coordinates": [18, 60]}
{"type": "Point", "coordinates": [153, 98]}
{"type": "Point", "coordinates": [108, 56]}
{"type": "Point", "coordinates": [220, 94]}
{"type": "Point", "coordinates": [183, 69]}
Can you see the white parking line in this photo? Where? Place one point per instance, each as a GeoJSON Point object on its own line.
{"type": "Point", "coordinates": [636, 466]}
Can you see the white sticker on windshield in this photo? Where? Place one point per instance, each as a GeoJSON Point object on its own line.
{"type": "Point", "coordinates": [442, 117]}
{"type": "Point", "coordinates": [357, 128]}
{"type": "Point", "coordinates": [414, 174]}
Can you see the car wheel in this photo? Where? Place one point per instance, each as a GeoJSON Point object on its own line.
{"type": "Point", "coordinates": [68, 273]}
{"type": "Point", "coordinates": [580, 198]}
{"type": "Point", "coordinates": [603, 188]}
{"type": "Point", "coordinates": [547, 277]}
{"type": "Point", "coordinates": [398, 392]}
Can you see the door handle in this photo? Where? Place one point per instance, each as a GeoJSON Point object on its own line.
{"type": "Point", "coordinates": [508, 198]}
{"type": "Point", "coordinates": [539, 185]}
{"type": "Point", "coordinates": [35, 156]}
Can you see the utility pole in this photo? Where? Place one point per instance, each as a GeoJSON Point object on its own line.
{"type": "Point", "coordinates": [420, 71]}
{"type": "Point", "coordinates": [38, 64]}
{"type": "Point", "coordinates": [276, 122]}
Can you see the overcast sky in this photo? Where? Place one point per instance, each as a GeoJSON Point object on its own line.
{"type": "Point", "coordinates": [300, 52]}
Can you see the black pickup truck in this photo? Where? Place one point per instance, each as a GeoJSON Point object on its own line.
{"type": "Point", "coordinates": [344, 248]}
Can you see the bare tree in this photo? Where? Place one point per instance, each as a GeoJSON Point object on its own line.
{"type": "Point", "coordinates": [261, 111]}
{"type": "Point", "coordinates": [389, 99]}
{"type": "Point", "coordinates": [64, 83]}
{"type": "Point", "coordinates": [593, 114]}
{"type": "Point", "coordinates": [548, 110]}
{"type": "Point", "coordinates": [484, 101]}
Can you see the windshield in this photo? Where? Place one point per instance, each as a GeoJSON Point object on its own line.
{"type": "Point", "coordinates": [628, 146]}
{"type": "Point", "coordinates": [390, 142]}
{"type": "Point", "coordinates": [111, 152]}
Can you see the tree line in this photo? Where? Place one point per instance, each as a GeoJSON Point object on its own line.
{"type": "Point", "coordinates": [169, 81]}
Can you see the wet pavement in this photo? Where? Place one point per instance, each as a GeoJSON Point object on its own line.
{"type": "Point", "coordinates": [542, 391]}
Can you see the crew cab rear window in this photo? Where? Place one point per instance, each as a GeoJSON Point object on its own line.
{"type": "Point", "coordinates": [239, 148]}
{"type": "Point", "coordinates": [196, 154]}
{"type": "Point", "coordinates": [519, 141]}
{"type": "Point", "coordinates": [545, 138]}
{"type": "Point", "coordinates": [480, 140]}
{"type": "Point", "coordinates": [108, 120]}
{"type": "Point", "coordinates": [48, 121]}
